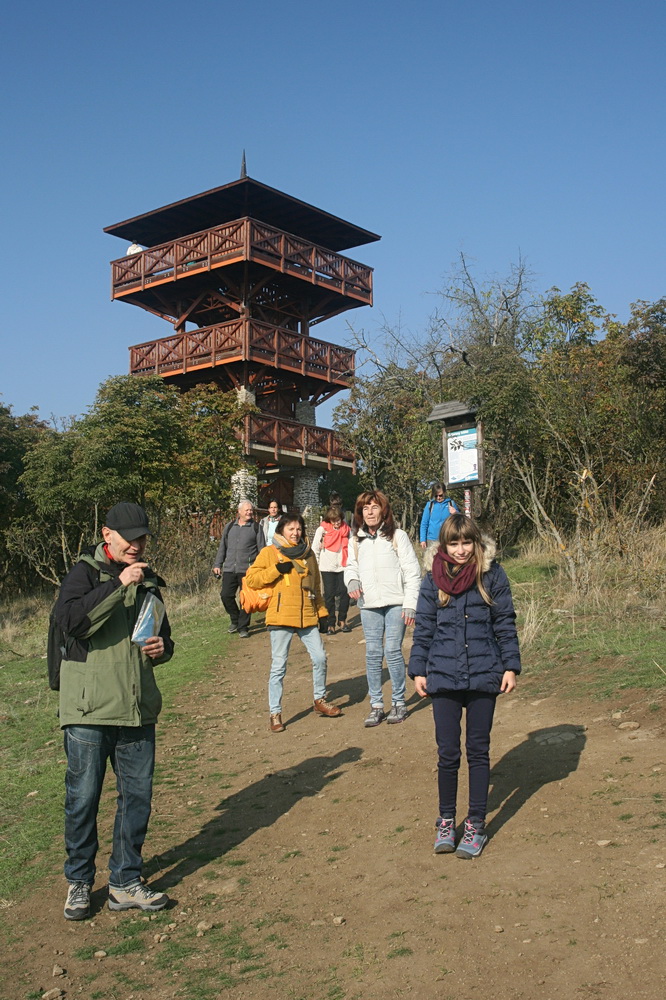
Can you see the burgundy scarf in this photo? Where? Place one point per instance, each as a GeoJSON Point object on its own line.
{"type": "Point", "coordinates": [460, 582]}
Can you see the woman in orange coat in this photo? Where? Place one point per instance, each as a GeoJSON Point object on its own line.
{"type": "Point", "coordinates": [289, 567]}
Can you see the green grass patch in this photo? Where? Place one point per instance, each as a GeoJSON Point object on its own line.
{"type": "Point", "coordinates": [87, 952]}
{"type": "Point", "coordinates": [131, 928]}
{"type": "Point", "coordinates": [206, 984]}
{"type": "Point", "coordinates": [527, 571]}
{"type": "Point", "coordinates": [172, 954]}
{"type": "Point", "coordinates": [128, 946]}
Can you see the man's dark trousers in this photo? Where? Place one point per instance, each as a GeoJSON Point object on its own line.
{"type": "Point", "coordinates": [230, 584]}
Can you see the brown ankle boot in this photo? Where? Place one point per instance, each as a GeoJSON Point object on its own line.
{"type": "Point", "coordinates": [277, 724]}
{"type": "Point", "coordinates": [323, 707]}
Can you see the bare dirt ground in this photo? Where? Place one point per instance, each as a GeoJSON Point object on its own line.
{"type": "Point", "coordinates": [300, 865]}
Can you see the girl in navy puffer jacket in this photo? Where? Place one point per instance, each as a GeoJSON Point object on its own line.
{"type": "Point", "coordinates": [465, 653]}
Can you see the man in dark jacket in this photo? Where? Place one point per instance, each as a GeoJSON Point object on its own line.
{"type": "Point", "coordinates": [109, 704]}
{"type": "Point", "coordinates": [241, 542]}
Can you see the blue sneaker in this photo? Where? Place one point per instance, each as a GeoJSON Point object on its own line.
{"type": "Point", "coordinates": [473, 840]}
{"type": "Point", "coordinates": [445, 841]}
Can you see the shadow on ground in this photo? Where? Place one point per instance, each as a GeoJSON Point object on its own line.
{"type": "Point", "coordinates": [241, 814]}
{"type": "Point", "coordinates": [547, 755]}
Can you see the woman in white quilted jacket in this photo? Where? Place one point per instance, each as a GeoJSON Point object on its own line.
{"type": "Point", "coordinates": [383, 575]}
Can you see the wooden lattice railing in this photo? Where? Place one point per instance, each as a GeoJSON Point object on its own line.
{"type": "Point", "coordinates": [243, 239]}
{"type": "Point", "coordinates": [243, 340]}
{"type": "Point", "coordinates": [265, 433]}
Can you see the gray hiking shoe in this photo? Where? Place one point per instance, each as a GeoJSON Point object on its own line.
{"type": "Point", "coordinates": [473, 840]}
{"type": "Point", "coordinates": [376, 716]}
{"type": "Point", "coordinates": [77, 905]}
{"type": "Point", "coordinates": [137, 896]}
{"type": "Point", "coordinates": [445, 841]}
{"type": "Point", "coordinates": [398, 713]}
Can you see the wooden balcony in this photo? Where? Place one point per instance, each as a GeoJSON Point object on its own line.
{"type": "Point", "coordinates": [241, 240]}
{"type": "Point", "coordinates": [291, 443]}
{"type": "Point", "coordinates": [243, 340]}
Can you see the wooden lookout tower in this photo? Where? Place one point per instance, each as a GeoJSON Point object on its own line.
{"type": "Point", "coordinates": [243, 273]}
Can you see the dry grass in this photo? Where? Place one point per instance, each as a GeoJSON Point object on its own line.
{"type": "Point", "coordinates": [24, 626]}
{"type": "Point", "coordinates": [608, 637]}
{"type": "Point", "coordinates": [24, 623]}
{"type": "Point", "coordinates": [536, 617]}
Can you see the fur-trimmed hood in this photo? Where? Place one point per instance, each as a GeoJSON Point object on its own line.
{"type": "Point", "coordinates": [465, 644]}
{"type": "Point", "coordinates": [489, 553]}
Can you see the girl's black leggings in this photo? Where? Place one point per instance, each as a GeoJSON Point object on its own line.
{"type": "Point", "coordinates": [447, 710]}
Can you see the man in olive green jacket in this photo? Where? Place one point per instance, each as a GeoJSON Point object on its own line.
{"type": "Point", "coordinates": [109, 704]}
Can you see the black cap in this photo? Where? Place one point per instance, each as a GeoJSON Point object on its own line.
{"type": "Point", "coordinates": [129, 520]}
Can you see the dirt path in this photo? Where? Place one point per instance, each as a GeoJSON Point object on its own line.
{"type": "Point", "coordinates": [301, 864]}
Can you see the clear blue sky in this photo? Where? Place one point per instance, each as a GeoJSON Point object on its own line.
{"type": "Point", "coordinates": [523, 127]}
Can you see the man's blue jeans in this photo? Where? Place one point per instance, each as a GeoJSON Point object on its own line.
{"type": "Point", "coordinates": [384, 630]}
{"type": "Point", "coordinates": [280, 643]}
{"type": "Point", "coordinates": [131, 751]}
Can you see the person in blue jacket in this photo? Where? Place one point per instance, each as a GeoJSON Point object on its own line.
{"type": "Point", "coordinates": [438, 508]}
{"type": "Point", "coordinates": [465, 652]}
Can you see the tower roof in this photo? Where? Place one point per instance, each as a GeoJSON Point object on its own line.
{"type": "Point", "coordinates": [244, 197]}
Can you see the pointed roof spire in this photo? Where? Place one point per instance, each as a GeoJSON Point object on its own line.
{"type": "Point", "coordinates": [243, 167]}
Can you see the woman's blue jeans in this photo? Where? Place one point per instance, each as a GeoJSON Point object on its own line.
{"type": "Point", "coordinates": [384, 630]}
{"type": "Point", "coordinates": [131, 751]}
{"type": "Point", "coordinates": [280, 643]}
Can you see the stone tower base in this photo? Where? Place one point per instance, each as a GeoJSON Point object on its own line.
{"type": "Point", "coordinates": [244, 486]}
{"type": "Point", "coordinates": [306, 497]}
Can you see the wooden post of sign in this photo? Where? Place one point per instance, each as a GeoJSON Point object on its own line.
{"type": "Point", "coordinates": [468, 503]}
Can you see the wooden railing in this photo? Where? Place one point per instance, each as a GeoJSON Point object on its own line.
{"type": "Point", "coordinates": [243, 340]}
{"type": "Point", "coordinates": [243, 239]}
{"type": "Point", "coordinates": [286, 438]}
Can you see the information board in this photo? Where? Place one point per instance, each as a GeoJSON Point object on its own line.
{"type": "Point", "coordinates": [462, 456]}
